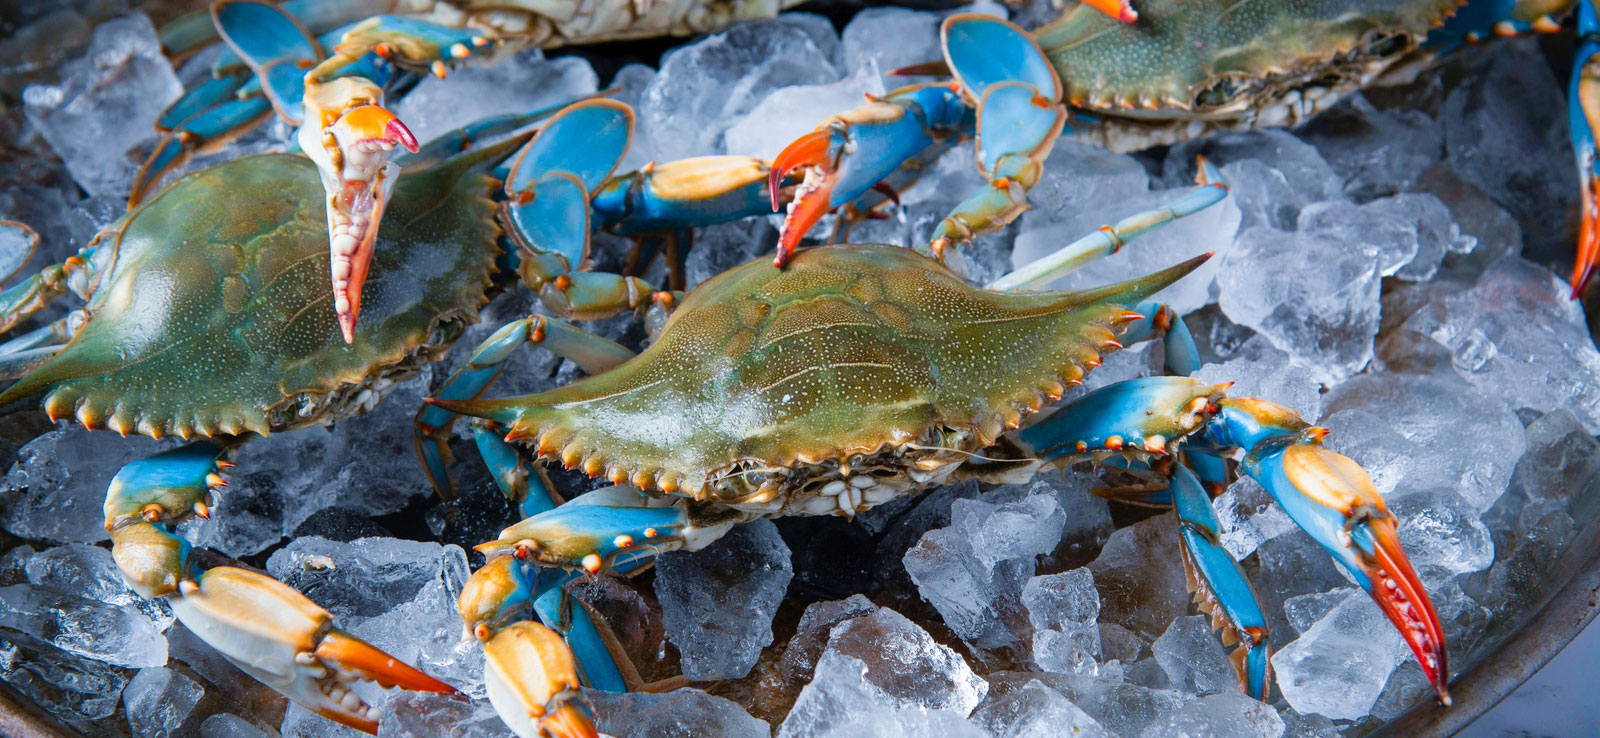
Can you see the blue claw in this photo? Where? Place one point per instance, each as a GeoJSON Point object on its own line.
{"type": "Point", "coordinates": [1220, 587]}
{"type": "Point", "coordinates": [1138, 415]}
{"type": "Point", "coordinates": [167, 487]}
{"type": "Point", "coordinates": [1332, 499]}
{"type": "Point", "coordinates": [1182, 356]}
{"type": "Point", "coordinates": [584, 535]}
{"type": "Point", "coordinates": [683, 194]}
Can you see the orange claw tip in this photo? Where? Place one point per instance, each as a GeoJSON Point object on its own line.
{"type": "Point", "coordinates": [353, 654]}
{"type": "Point", "coordinates": [569, 721]}
{"type": "Point", "coordinates": [811, 149]}
{"type": "Point", "coordinates": [1118, 9]}
{"type": "Point", "coordinates": [375, 121]}
{"type": "Point", "coordinates": [1400, 595]}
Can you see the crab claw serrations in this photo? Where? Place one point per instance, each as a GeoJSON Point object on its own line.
{"type": "Point", "coordinates": [350, 137]}
{"type": "Point", "coordinates": [532, 681]}
{"type": "Point", "coordinates": [286, 641]}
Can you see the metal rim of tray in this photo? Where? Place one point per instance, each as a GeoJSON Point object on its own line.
{"type": "Point", "coordinates": [1481, 686]}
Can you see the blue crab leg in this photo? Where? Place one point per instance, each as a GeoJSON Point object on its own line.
{"type": "Point", "coordinates": [853, 151]}
{"type": "Point", "coordinates": [1326, 494]}
{"type": "Point", "coordinates": [1219, 585]}
{"type": "Point", "coordinates": [208, 130]}
{"type": "Point", "coordinates": [1004, 74]}
{"type": "Point", "coordinates": [1583, 111]}
{"type": "Point", "coordinates": [432, 424]}
{"type": "Point", "coordinates": [1209, 190]}
{"type": "Point", "coordinates": [547, 213]}
{"type": "Point", "coordinates": [1330, 497]}
{"type": "Point", "coordinates": [189, 33]}
{"type": "Point", "coordinates": [1156, 320]}
{"type": "Point", "coordinates": [267, 629]}
{"type": "Point", "coordinates": [688, 193]}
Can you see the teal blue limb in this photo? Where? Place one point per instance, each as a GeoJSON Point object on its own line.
{"type": "Point", "coordinates": [866, 152]}
{"type": "Point", "coordinates": [1109, 239]}
{"type": "Point", "coordinates": [571, 533]}
{"type": "Point", "coordinates": [202, 97]}
{"type": "Point", "coordinates": [596, 668]}
{"type": "Point", "coordinates": [551, 217]}
{"type": "Point", "coordinates": [260, 33]}
{"type": "Point", "coordinates": [630, 204]}
{"type": "Point", "coordinates": [521, 483]}
{"type": "Point", "coordinates": [213, 127]}
{"type": "Point", "coordinates": [1161, 321]}
{"type": "Point", "coordinates": [1210, 468]}
{"type": "Point", "coordinates": [15, 364]}
{"type": "Point", "coordinates": [586, 140]}
{"type": "Point", "coordinates": [179, 482]}
{"type": "Point", "coordinates": [284, 83]}
{"type": "Point", "coordinates": [432, 424]}
{"type": "Point", "coordinates": [984, 50]}
{"type": "Point", "coordinates": [484, 130]}
{"type": "Point", "coordinates": [53, 334]}
{"type": "Point", "coordinates": [1013, 118]}
{"type": "Point", "coordinates": [1131, 415]}
{"type": "Point", "coordinates": [1221, 577]}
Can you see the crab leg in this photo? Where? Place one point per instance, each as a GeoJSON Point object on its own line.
{"type": "Point", "coordinates": [1584, 119]}
{"type": "Point", "coordinates": [1326, 494]}
{"type": "Point", "coordinates": [432, 424]}
{"type": "Point", "coordinates": [264, 627]}
{"type": "Point", "coordinates": [1209, 190]}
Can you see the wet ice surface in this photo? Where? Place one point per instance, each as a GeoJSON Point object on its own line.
{"type": "Point", "coordinates": [1386, 271]}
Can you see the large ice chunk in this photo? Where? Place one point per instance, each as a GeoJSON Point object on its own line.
{"type": "Point", "coordinates": [1313, 295]}
{"type": "Point", "coordinates": [159, 701]}
{"type": "Point", "coordinates": [1140, 577]}
{"type": "Point", "coordinates": [973, 571]}
{"type": "Point", "coordinates": [106, 104]}
{"type": "Point", "coordinates": [57, 489]}
{"type": "Point", "coordinates": [1339, 665]}
{"type": "Point", "coordinates": [681, 712]}
{"type": "Point", "coordinates": [718, 602]}
{"type": "Point", "coordinates": [1063, 608]}
{"type": "Point", "coordinates": [1037, 711]}
{"type": "Point", "coordinates": [1193, 658]}
{"type": "Point", "coordinates": [1226, 715]}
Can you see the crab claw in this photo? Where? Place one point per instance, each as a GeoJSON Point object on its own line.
{"type": "Point", "coordinates": [817, 151]}
{"type": "Point", "coordinates": [1583, 120]}
{"type": "Point", "coordinates": [1122, 10]}
{"type": "Point", "coordinates": [352, 153]}
{"type": "Point", "coordinates": [1332, 498]}
{"type": "Point", "coordinates": [532, 681]}
{"type": "Point", "coordinates": [277, 635]}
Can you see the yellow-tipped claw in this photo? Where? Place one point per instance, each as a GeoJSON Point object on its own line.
{"type": "Point", "coordinates": [532, 681]}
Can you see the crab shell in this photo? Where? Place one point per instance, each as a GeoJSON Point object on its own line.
{"type": "Point", "coordinates": [767, 381]}
{"type": "Point", "coordinates": [1190, 67]}
{"type": "Point", "coordinates": [212, 314]}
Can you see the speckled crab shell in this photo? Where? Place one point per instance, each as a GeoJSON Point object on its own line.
{"type": "Point", "coordinates": [1191, 66]}
{"type": "Point", "coordinates": [214, 316]}
{"type": "Point", "coordinates": [848, 350]}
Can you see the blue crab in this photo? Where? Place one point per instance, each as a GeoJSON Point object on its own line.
{"type": "Point", "coordinates": [207, 319]}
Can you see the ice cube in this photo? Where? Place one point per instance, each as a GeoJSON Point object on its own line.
{"type": "Point", "coordinates": [704, 87]}
{"type": "Point", "coordinates": [1140, 577]}
{"type": "Point", "coordinates": [885, 39]}
{"type": "Point", "coordinates": [1314, 296]}
{"type": "Point", "coordinates": [842, 702]}
{"type": "Point", "coordinates": [1504, 132]}
{"type": "Point", "coordinates": [811, 635]}
{"type": "Point", "coordinates": [118, 635]}
{"type": "Point", "coordinates": [1262, 370]}
{"type": "Point", "coordinates": [718, 602]}
{"type": "Point", "coordinates": [1563, 458]}
{"type": "Point", "coordinates": [1289, 173]}
{"type": "Point", "coordinates": [1517, 335]}
{"type": "Point", "coordinates": [57, 489]}
{"type": "Point", "coordinates": [474, 91]}
{"type": "Point", "coordinates": [681, 712]}
{"type": "Point", "coordinates": [903, 665]}
{"type": "Point", "coordinates": [1226, 715]}
{"type": "Point", "coordinates": [80, 691]}
{"type": "Point", "coordinates": [1442, 536]}
{"type": "Point", "coordinates": [973, 571]}
{"type": "Point", "coordinates": [788, 113]}
{"type": "Point", "coordinates": [1037, 711]}
{"type": "Point", "coordinates": [1249, 517]}
{"type": "Point", "coordinates": [158, 701]}
{"type": "Point", "coordinates": [1193, 658]}
{"type": "Point", "coordinates": [431, 715]}
{"type": "Point", "coordinates": [1430, 411]}
{"type": "Point", "coordinates": [228, 725]}
{"type": "Point", "coordinates": [1055, 600]}
{"type": "Point", "coordinates": [1338, 666]}
{"type": "Point", "coordinates": [106, 104]}
{"type": "Point", "coordinates": [1378, 152]}
{"type": "Point", "coordinates": [399, 595]}
{"type": "Point", "coordinates": [89, 571]}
